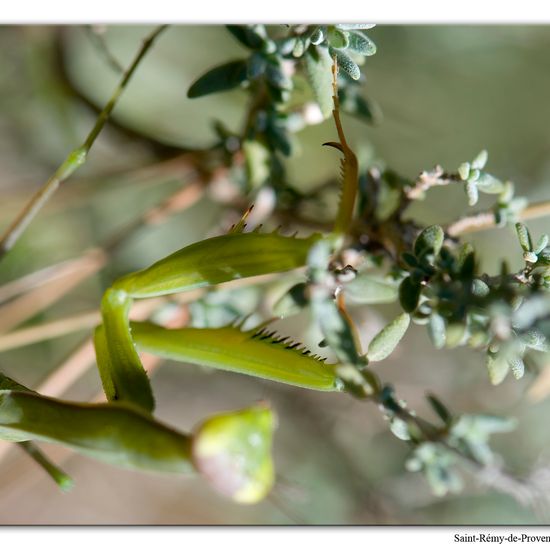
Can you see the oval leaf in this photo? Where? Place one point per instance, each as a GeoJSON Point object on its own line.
{"type": "Point", "coordinates": [437, 330]}
{"type": "Point", "coordinates": [319, 72]}
{"type": "Point", "coordinates": [498, 368]}
{"type": "Point", "coordinates": [409, 293]}
{"type": "Point", "coordinates": [346, 63]}
{"type": "Point", "coordinates": [369, 289]}
{"type": "Point", "coordinates": [361, 44]}
{"type": "Point", "coordinates": [220, 79]}
{"type": "Point", "coordinates": [387, 339]}
{"type": "Point", "coordinates": [430, 240]}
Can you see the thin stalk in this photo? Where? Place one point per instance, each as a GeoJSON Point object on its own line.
{"type": "Point", "coordinates": [75, 159]}
{"type": "Point", "coordinates": [63, 481]}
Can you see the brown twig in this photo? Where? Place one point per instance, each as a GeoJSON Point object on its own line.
{"type": "Point", "coordinates": [427, 180]}
{"type": "Point", "coordinates": [64, 280]}
{"type": "Point", "coordinates": [46, 331]}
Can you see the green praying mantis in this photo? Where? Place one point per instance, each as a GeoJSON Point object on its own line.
{"type": "Point", "coordinates": [231, 450]}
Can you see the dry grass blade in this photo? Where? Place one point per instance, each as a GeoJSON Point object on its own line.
{"type": "Point", "coordinates": [37, 278]}
{"type": "Point", "coordinates": [46, 331]}
{"type": "Point", "coordinates": [59, 283]}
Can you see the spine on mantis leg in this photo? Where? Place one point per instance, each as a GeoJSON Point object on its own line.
{"type": "Point", "coordinates": [257, 352]}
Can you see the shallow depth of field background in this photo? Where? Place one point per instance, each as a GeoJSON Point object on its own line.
{"type": "Point", "coordinates": [446, 92]}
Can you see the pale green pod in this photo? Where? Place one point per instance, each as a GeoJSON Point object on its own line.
{"type": "Point", "coordinates": [233, 452]}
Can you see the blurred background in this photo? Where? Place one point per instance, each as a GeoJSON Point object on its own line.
{"type": "Point", "coordinates": [445, 93]}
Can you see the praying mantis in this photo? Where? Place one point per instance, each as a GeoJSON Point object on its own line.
{"type": "Point", "coordinates": [231, 450]}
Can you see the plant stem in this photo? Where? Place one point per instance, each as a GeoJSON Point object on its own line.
{"type": "Point", "coordinates": [75, 159]}
{"type": "Point", "coordinates": [63, 481]}
{"type": "Point", "coordinates": [486, 220]}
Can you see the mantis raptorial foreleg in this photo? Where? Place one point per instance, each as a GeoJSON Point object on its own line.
{"type": "Point", "coordinates": [212, 261]}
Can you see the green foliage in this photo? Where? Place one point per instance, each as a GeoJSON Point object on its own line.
{"type": "Point", "coordinates": [277, 59]}
{"type": "Point", "coordinates": [383, 344]}
{"type": "Point", "coordinates": [374, 254]}
{"type": "Point", "coordinates": [222, 78]}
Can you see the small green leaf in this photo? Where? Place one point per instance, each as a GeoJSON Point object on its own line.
{"type": "Point", "coordinates": [370, 289]}
{"type": "Point", "coordinates": [464, 170]}
{"type": "Point", "coordinates": [489, 184]}
{"type": "Point", "coordinates": [400, 429]}
{"type": "Point", "coordinates": [440, 409]}
{"type": "Point", "coordinates": [429, 241]}
{"type": "Point", "coordinates": [346, 63]}
{"type": "Point", "coordinates": [276, 77]}
{"type": "Point", "coordinates": [530, 257]}
{"type": "Point", "coordinates": [480, 288]}
{"type": "Point", "coordinates": [535, 340]}
{"type": "Point", "coordinates": [256, 66]}
{"type": "Point", "coordinates": [387, 339]}
{"type": "Point", "coordinates": [467, 263]}
{"type": "Point", "coordinates": [437, 330]}
{"type": "Point", "coordinates": [317, 36]}
{"type": "Point", "coordinates": [361, 44]}
{"type": "Point", "coordinates": [455, 334]}
{"type": "Point", "coordinates": [409, 294]}
{"type": "Point", "coordinates": [524, 237]}
{"type": "Point", "coordinates": [498, 368]}
{"type": "Point", "coordinates": [474, 175]}
{"type": "Point", "coordinates": [299, 47]}
{"type": "Point", "coordinates": [220, 79]}
{"type": "Point", "coordinates": [338, 39]}
{"type": "Point", "coordinates": [338, 332]}
{"type": "Point", "coordinates": [542, 243]}
{"type": "Point", "coordinates": [292, 302]}
{"type": "Point", "coordinates": [319, 72]}
{"type": "Point", "coordinates": [480, 161]}
{"type": "Point", "coordinates": [246, 35]}
{"type": "Point", "coordinates": [279, 138]}
{"type": "Point", "coordinates": [233, 452]}
{"type": "Point", "coordinates": [516, 366]}
{"type": "Point", "coordinates": [472, 193]}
